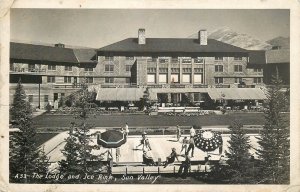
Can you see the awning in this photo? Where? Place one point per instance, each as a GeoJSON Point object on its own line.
{"type": "Point", "coordinates": [120, 94]}
{"type": "Point", "coordinates": [215, 93]}
{"type": "Point", "coordinates": [236, 94]}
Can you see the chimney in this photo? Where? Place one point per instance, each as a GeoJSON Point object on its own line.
{"type": "Point", "coordinates": [141, 37]}
{"type": "Point", "coordinates": [203, 37]}
{"type": "Point", "coordinates": [60, 45]}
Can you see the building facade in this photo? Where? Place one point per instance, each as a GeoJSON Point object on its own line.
{"type": "Point", "coordinates": [168, 67]}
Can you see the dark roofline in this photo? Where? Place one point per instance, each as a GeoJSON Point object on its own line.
{"type": "Point", "coordinates": [22, 52]}
{"type": "Point", "coordinates": [130, 45]}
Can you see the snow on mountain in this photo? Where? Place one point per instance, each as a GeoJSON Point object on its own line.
{"type": "Point", "coordinates": [231, 37]}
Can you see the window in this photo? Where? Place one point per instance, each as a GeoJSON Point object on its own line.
{"type": "Point", "coordinates": [198, 70]}
{"type": "Point", "coordinates": [174, 78]}
{"type": "Point", "coordinates": [238, 80]}
{"type": "Point", "coordinates": [129, 58]}
{"type": "Point", "coordinates": [198, 78]}
{"type": "Point", "coordinates": [218, 68]}
{"type": "Point", "coordinates": [199, 60]}
{"type": "Point", "coordinates": [186, 70]}
{"type": "Point", "coordinates": [51, 79]}
{"type": "Point", "coordinates": [163, 70]}
{"type": "Point", "coordinates": [89, 80]}
{"type": "Point", "coordinates": [31, 67]}
{"type": "Point", "coordinates": [238, 58]}
{"type": "Point", "coordinates": [238, 68]}
{"type": "Point", "coordinates": [46, 98]}
{"type": "Point", "coordinates": [151, 70]}
{"type": "Point", "coordinates": [186, 78]}
{"type": "Point", "coordinates": [109, 80]}
{"type": "Point", "coordinates": [162, 78]}
{"type": "Point", "coordinates": [128, 68]}
{"type": "Point", "coordinates": [175, 70]}
{"type": "Point", "coordinates": [218, 80]}
{"type": "Point", "coordinates": [258, 70]}
{"type": "Point", "coordinates": [30, 98]}
{"type": "Point", "coordinates": [258, 80]}
{"type": "Point", "coordinates": [174, 60]}
{"type": "Point", "coordinates": [62, 95]}
{"type": "Point", "coordinates": [186, 60]}
{"type": "Point", "coordinates": [88, 69]}
{"type": "Point", "coordinates": [68, 68]}
{"type": "Point", "coordinates": [109, 58]}
{"type": "Point", "coordinates": [163, 60]}
{"type": "Point", "coordinates": [67, 79]}
{"type": "Point", "coordinates": [52, 67]}
{"type": "Point", "coordinates": [151, 78]}
{"type": "Point", "coordinates": [218, 58]}
{"type": "Point", "coordinates": [109, 68]}
{"type": "Point", "coordinates": [197, 97]}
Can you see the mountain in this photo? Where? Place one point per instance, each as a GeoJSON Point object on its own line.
{"type": "Point", "coordinates": [283, 42]}
{"type": "Point", "coordinates": [231, 37]}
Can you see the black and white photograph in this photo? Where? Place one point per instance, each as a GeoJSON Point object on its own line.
{"type": "Point", "coordinates": [149, 96]}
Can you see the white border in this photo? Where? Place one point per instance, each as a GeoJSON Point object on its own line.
{"type": "Point", "coordinates": [293, 5]}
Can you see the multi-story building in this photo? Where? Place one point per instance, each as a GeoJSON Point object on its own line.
{"type": "Point", "coordinates": [170, 68]}
{"type": "Point", "coordinates": [48, 73]}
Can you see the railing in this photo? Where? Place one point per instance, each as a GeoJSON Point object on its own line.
{"type": "Point", "coordinates": [27, 70]}
{"type": "Point", "coordinates": [66, 86]}
{"type": "Point", "coordinates": [246, 86]}
{"type": "Point", "coordinates": [222, 86]}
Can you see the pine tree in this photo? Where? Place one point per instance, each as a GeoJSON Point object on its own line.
{"type": "Point", "coordinates": [274, 150]}
{"type": "Point", "coordinates": [239, 156]}
{"type": "Point", "coordinates": [25, 157]}
{"type": "Point", "coordinates": [78, 148]}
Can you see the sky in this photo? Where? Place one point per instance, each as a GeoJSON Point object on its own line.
{"type": "Point", "coordinates": [96, 28]}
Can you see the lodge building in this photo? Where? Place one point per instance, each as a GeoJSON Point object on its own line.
{"type": "Point", "coordinates": [168, 68]}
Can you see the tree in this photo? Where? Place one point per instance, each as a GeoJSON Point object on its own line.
{"type": "Point", "coordinates": [25, 156]}
{"type": "Point", "coordinates": [239, 156]}
{"type": "Point", "coordinates": [274, 150]}
{"type": "Point", "coordinates": [78, 148]}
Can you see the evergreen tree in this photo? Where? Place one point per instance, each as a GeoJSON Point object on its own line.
{"type": "Point", "coordinates": [274, 150]}
{"type": "Point", "coordinates": [25, 157]}
{"type": "Point", "coordinates": [239, 156]}
{"type": "Point", "coordinates": [78, 148]}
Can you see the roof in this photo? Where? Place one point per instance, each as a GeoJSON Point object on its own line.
{"type": "Point", "coordinates": [257, 57]}
{"type": "Point", "coordinates": [278, 56]}
{"type": "Point", "coordinates": [85, 55]}
{"type": "Point", "coordinates": [171, 45]}
{"type": "Point", "coordinates": [42, 53]}
{"type": "Point", "coordinates": [237, 93]}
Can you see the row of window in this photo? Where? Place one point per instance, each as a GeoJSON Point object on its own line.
{"type": "Point", "coordinates": [220, 80]}
{"type": "Point", "coordinates": [186, 78]}
{"type": "Point", "coordinates": [218, 68]}
{"type": "Point", "coordinates": [184, 59]}
{"type": "Point", "coordinates": [111, 68]}
{"type": "Point", "coordinates": [67, 79]}
{"type": "Point", "coordinates": [237, 68]}
{"type": "Point", "coordinates": [67, 68]}
{"type": "Point", "coordinates": [163, 78]}
{"type": "Point", "coordinates": [174, 70]}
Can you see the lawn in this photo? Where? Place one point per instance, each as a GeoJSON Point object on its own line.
{"type": "Point", "coordinates": [48, 120]}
